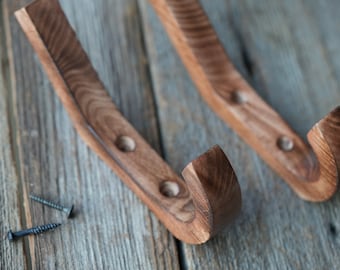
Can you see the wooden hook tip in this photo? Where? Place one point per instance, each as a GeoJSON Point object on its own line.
{"type": "Point", "coordinates": [214, 188]}
{"type": "Point", "coordinates": [324, 139]}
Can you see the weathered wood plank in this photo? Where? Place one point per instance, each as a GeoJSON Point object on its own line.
{"type": "Point", "coordinates": [12, 256]}
{"type": "Point", "coordinates": [112, 229]}
{"type": "Point", "coordinates": [277, 45]}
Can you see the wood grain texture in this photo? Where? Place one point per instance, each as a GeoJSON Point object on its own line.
{"type": "Point", "coordinates": [112, 229]}
{"type": "Point", "coordinates": [11, 256]}
{"type": "Point", "coordinates": [313, 177]}
{"type": "Point", "coordinates": [193, 212]}
{"type": "Point", "coordinates": [288, 50]}
{"type": "Point", "coordinates": [281, 49]}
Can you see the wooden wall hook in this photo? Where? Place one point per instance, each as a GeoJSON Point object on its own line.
{"type": "Point", "coordinates": [313, 175]}
{"type": "Point", "coordinates": [193, 210]}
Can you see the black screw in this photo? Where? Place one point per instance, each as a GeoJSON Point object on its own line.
{"type": "Point", "coordinates": [67, 210]}
{"type": "Point", "coordinates": [36, 230]}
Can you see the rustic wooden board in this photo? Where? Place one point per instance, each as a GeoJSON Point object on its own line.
{"type": "Point", "coordinates": [112, 228]}
{"type": "Point", "coordinates": [289, 50]}
{"type": "Point", "coordinates": [285, 49]}
{"type": "Point", "coordinates": [10, 202]}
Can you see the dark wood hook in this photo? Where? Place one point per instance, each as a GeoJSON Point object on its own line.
{"type": "Point", "coordinates": [313, 175]}
{"type": "Point", "coordinates": [193, 210]}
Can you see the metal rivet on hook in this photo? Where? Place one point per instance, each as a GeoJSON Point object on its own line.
{"type": "Point", "coordinates": [285, 143]}
{"type": "Point", "coordinates": [238, 97]}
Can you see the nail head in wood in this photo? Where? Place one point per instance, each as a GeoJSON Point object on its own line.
{"type": "Point", "coordinates": [285, 143]}
{"type": "Point", "coordinates": [238, 97]}
{"type": "Point", "coordinates": [169, 189]}
{"type": "Point", "coordinates": [125, 144]}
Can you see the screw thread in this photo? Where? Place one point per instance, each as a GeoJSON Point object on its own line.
{"type": "Point", "coordinates": [44, 228]}
{"type": "Point", "coordinates": [47, 203]}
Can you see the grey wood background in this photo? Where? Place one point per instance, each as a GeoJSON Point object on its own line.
{"type": "Point", "coordinates": [289, 50]}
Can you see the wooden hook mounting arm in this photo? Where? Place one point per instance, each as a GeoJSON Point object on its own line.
{"type": "Point", "coordinates": [313, 177]}
{"type": "Point", "coordinates": [194, 209]}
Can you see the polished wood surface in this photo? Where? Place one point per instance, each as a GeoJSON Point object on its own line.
{"type": "Point", "coordinates": [192, 213]}
{"type": "Point", "coordinates": [313, 177]}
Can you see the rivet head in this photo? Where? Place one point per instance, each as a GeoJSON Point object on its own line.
{"type": "Point", "coordinates": [238, 97]}
{"type": "Point", "coordinates": [125, 144]}
{"type": "Point", "coordinates": [169, 189]}
{"type": "Point", "coordinates": [285, 143]}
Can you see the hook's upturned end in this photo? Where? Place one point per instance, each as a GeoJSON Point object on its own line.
{"type": "Point", "coordinates": [324, 138]}
{"type": "Point", "coordinates": [215, 192]}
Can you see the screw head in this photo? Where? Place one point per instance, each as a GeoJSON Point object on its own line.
{"type": "Point", "coordinates": [10, 235]}
{"type": "Point", "coordinates": [69, 211]}
{"type": "Point", "coordinates": [238, 97]}
{"type": "Point", "coordinates": [285, 143]}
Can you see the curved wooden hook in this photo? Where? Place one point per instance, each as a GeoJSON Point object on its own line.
{"type": "Point", "coordinates": [193, 210]}
{"type": "Point", "coordinates": [313, 177]}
